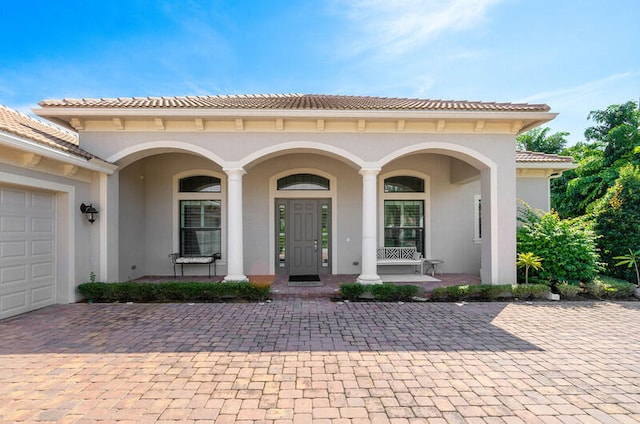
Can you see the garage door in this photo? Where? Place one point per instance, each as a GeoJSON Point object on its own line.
{"type": "Point", "coordinates": [27, 250]}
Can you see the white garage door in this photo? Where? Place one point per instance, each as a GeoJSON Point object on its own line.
{"type": "Point", "coordinates": [27, 250]}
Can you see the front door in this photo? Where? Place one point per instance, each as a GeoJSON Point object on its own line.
{"type": "Point", "coordinates": [302, 228]}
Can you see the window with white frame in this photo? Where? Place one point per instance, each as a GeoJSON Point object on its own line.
{"type": "Point", "coordinates": [200, 215]}
{"type": "Point", "coordinates": [404, 212]}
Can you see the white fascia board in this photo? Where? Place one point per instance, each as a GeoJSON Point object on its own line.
{"type": "Point", "coordinates": [31, 146]}
{"type": "Point", "coordinates": [60, 112]}
{"type": "Point", "coordinates": [546, 165]}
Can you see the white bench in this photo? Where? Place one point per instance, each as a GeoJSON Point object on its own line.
{"type": "Point", "coordinates": [399, 256]}
{"type": "Point", "coordinates": [176, 259]}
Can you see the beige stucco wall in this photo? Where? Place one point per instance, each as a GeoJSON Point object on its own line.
{"type": "Point", "coordinates": [244, 147]}
{"type": "Point", "coordinates": [534, 191]}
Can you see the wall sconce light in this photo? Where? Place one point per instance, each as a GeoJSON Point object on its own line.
{"type": "Point", "coordinates": [89, 211]}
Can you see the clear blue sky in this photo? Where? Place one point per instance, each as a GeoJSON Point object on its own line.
{"type": "Point", "coordinates": [576, 56]}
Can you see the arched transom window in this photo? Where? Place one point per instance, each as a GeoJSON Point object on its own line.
{"type": "Point", "coordinates": [303, 182]}
{"type": "Point", "coordinates": [200, 184]}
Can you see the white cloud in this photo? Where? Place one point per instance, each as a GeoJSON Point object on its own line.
{"type": "Point", "coordinates": [574, 103]}
{"type": "Point", "coordinates": [577, 91]}
{"type": "Point", "coordinates": [400, 26]}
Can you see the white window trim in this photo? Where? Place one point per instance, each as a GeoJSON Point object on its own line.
{"type": "Point", "coordinates": [178, 196]}
{"type": "Point", "coordinates": [274, 194]}
{"type": "Point", "coordinates": [426, 197]}
{"type": "Point", "coordinates": [476, 219]}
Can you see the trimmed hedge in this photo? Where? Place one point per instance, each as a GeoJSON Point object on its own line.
{"type": "Point", "coordinates": [489, 292]}
{"type": "Point", "coordinates": [173, 292]}
{"type": "Point", "coordinates": [381, 292]}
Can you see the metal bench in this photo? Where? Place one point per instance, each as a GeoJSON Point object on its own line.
{"type": "Point", "coordinates": [399, 256]}
{"type": "Point", "coordinates": [176, 259]}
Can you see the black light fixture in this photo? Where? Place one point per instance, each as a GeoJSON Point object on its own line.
{"type": "Point", "coordinates": [89, 211]}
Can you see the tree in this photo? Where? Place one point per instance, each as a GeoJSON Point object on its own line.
{"type": "Point", "coordinates": [613, 142]}
{"type": "Point", "coordinates": [537, 140]}
{"type": "Point", "coordinates": [631, 261]}
{"type": "Point", "coordinates": [528, 260]}
{"type": "Point", "coordinates": [576, 189]}
{"type": "Point", "coordinates": [617, 220]}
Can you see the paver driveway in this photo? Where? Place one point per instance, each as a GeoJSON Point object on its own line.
{"type": "Point", "coordinates": [317, 361]}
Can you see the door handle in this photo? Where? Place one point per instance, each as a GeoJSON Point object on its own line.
{"type": "Point", "coordinates": [315, 245]}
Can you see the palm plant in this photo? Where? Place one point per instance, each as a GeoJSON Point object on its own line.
{"type": "Point", "coordinates": [630, 260]}
{"type": "Point", "coordinates": [528, 260]}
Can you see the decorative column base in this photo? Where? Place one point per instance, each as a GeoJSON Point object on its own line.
{"type": "Point", "coordinates": [369, 279]}
{"type": "Point", "coordinates": [235, 279]}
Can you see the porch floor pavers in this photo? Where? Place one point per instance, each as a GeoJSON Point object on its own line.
{"type": "Point", "coordinates": [300, 360]}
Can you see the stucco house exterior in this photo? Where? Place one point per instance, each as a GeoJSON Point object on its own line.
{"type": "Point", "coordinates": [276, 184]}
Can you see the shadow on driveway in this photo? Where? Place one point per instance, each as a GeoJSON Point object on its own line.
{"type": "Point", "coordinates": [280, 326]}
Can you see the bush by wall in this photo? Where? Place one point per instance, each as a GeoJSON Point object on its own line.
{"type": "Point", "coordinates": [568, 247]}
{"type": "Point", "coordinates": [568, 290]}
{"type": "Point", "coordinates": [380, 292]}
{"type": "Point", "coordinates": [489, 292]}
{"type": "Point", "coordinates": [530, 291]}
{"type": "Point", "coordinates": [610, 288]}
{"type": "Point", "coordinates": [173, 292]}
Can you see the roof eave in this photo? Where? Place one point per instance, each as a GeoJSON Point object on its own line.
{"type": "Point", "coordinates": [67, 112]}
{"type": "Point", "coordinates": [30, 146]}
{"type": "Point", "coordinates": [547, 165]}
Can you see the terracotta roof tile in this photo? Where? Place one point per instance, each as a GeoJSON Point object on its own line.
{"type": "Point", "coordinates": [293, 102]}
{"type": "Point", "coordinates": [16, 123]}
{"type": "Point", "coordinates": [525, 156]}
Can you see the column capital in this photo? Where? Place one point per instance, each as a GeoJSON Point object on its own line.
{"type": "Point", "coordinates": [235, 171]}
{"type": "Point", "coordinates": [373, 171]}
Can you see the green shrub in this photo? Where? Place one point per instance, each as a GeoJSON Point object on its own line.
{"type": "Point", "coordinates": [481, 292]}
{"type": "Point", "coordinates": [567, 246]}
{"type": "Point", "coordinates": [530, 291]}
{"type": "Point", "coordinates": [384, 292]}
{"type": "Point", "coordinates": [407, 292]}
{"type": "Point", "coordinates": [172, 292]}
{"type": "Point", "coordinates": [352, 291]}
{"type": "Point", "coordinates": [533, 280]}
{"type": "Point", "coordinates": [617, 221]}
{"type": "Point", "coordinates": [605, 287]}
{"type": "Point", "coordinates": [440, 294]}
{"type": "Point", "coordinates": [460, 292]}
{"type": "Point", "coordinates": [568, 290]}
{"type": "Point", "coordinates": [93, 292]}
{"type": "Point", "coordinates": [491, 292]}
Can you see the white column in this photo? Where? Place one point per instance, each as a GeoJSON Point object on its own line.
{"type": "Point", "coordinates": [108, 222]}
{"type": "Point", "coordinates": [235, 258]}
{"type": "Point", "coordinates": [369, 234]}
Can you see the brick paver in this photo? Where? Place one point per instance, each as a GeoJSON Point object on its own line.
{"type": "Point", "coordinates": [302, 361]}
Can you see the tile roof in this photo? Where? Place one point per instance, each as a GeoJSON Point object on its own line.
{"type": "Point", "coordinates": [525, 156]}
{"type": "Point", "coordinates": [293, 102]}
{"type": "Point", "coordinates": [16, 123]}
